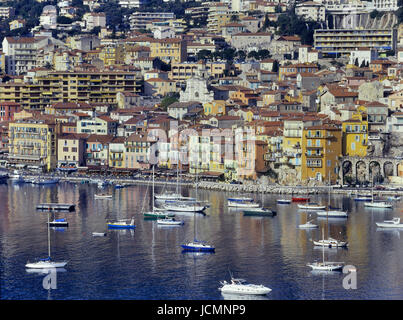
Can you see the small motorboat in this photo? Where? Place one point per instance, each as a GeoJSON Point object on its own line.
{"type": "Point", "coordinates": [170, 222]}
{"type": "Point", "coordinates": [99, 234]}
{"type": "Point", "coordinates": [103, 196]}
{"type": "Point", "coordinates": [326, 266]}
{"type": "Point", "coordinates": [394, 223]}
{"type": "Point", "coordinates": [58, 223]}
{"type": "Point", "coordinates": [363, 198]}
{"type": "Point", "coordinates": [300, 199]}
{"type": "Point", "coordinates": [244, 203]}
{"type": "Point", "coordinates": [181, 207]}
{"type": "Point", "coordinates": [311, 206]}
{"type": "Point", "coordinates": [240, 286]}
{"type": "Point", "coordinates": [283, 201]}
{"type": "Point", "coordinates": [197, 245]}
{"type": "Point", "coordinates": [158, 214]}
{"type": "Point", "coordinates": [332, 213]}
{"type": "Point", "coordinates": [308, 225]}
{"type": "Point", "coordinates": [44, 181]}
{"type": "Point", "coordinates": [122, 224]}
{"type": "Point", "coordinates": [331, 243]}
{"type": "Point", "coordinates": [259, 212]}
{"type": "Point", "coordinates": [394, 198]}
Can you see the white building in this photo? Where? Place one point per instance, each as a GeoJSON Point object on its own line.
{"type": "Point", "coordinates": [6, 12]}
{"type": "Point", "coordinates": [94, 19]}
{"type": "Point", "coordinates": [21, 54]}
{"type": "Point", "coordinates": [131, 3]}
{"type": "Point", "coordinates": [163, 32]}
{"type": "Point", "coordinates": [311, 11]}
{"type": "Point", "coordinates": [385, 5]}
{"type": "Point", "coordinates": [363, 54]}
{"type": "Point", "coordinates": [306, 54]}
{"type": "Point", "coordinates": [48, 18]}
{"type": "Point", "coordinates": [196, 90]}
{"type": "Point", "coordinates": [394, 123]}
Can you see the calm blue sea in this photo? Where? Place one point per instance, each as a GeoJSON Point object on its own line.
{"type": "Point", "coordinates": [148, 263]}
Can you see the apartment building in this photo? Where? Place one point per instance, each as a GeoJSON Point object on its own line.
{"type": "Point", "coordinates": [84, 86]}
{"type": "Point", "coordinates": [21, 53]}
{"type": "Point", "coordinates": [169, 50]}
{"type": "Point", "coordinates": [139, 20]}
{"type": "Point", "coordinates": [334, 42]}
{"type": "Point", "coordinates": [6, 12]}
{"type": "Point", "coordinates": [311, 11]}
{"type": "Point", "coordinates": [34, 142]}
{"type": "Point", "coordinates": [321, 149]}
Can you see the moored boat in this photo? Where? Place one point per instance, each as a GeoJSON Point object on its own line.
{"type": "Point", "coordinates": [283, 201]}
{"type": "Point", "coordinates": [300, 199]}
{"type": "Point", "coordinates": [259, 212]}
{"type": "Point", "coordinates": [122, 224]}
{"type": "Point", "coordinates": [394, 223]}
{"type": "Point", "coordinates": [103, 196]}
{"type": "Point", "coordinates": [170, 222]}
{"type": "Point", "coordinates": [240, 286]}
{"type": "Point", "coordinates": [311, 206]}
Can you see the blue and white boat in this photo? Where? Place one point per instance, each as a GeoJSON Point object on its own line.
{"type": "Point", "coordinates": [283, 201]}
{"type": "Point", "coordinates": [197, 245]}
{"type": "Point", "coordinates": [242, 202]}
{"type": "Point", "coordinates": [122, 224]}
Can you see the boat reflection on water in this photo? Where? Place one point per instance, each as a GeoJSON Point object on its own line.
{"type": "Point", "coordinates": [325, 272]}
{"type": "Point", "coordinates": [45, 270]}
{"type": "Point", "coordinates": [197, 254]}
{"type": "Point", "coordinates": [232, 296]}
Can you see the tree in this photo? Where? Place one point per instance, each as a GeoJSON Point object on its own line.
{"type": "Point", "coordinates": [168, 100]}
{"type": "Point", "coordinates": [275, 66]}
{"type": "Point", "coordinates": [63, 20]}
{"type": "Point", "coordinates": [204, 54]}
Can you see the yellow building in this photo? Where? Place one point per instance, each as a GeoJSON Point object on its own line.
{"type": "Point", "coordinates": [355, 135]}
{"type": "Point", "coordinates": [321, 149]}
{"type": "Point", "coordinates": [116, 153]}
{"type": "Point", "coordinates": [215, 107]}
{"type": "Point", "coordinates": [78, 86]}
{"type": "Point", "coordinates": [33, 142]}
{"type": "Point", "coordinates": [111, 55]}
{"type": "Point", "coordinates": [169, 50]}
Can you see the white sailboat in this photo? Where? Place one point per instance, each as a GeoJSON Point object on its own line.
{"type": "Point", "coordinates": [46, 263]}
{"type": "Point", "coordinates": [331, 212]}
{"type": "Point", "coordinates": [156, 213]}
{"type": "Point", "coordinates": [377, 204]}
{"type": "Point", "coordinates": [325, 265]}
{"type": "Point", "coordinates": [308, 225]}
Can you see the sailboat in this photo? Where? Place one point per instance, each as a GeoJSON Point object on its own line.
{"type": "Point", "coordinates": [197, 245]}
{"type": "Point", "coordinates": [325, 265]}
{"type": "Point", "coordinates": [377, 204]}
{"type": "Point", "coordinates": [46, 263]}
{"type": "Point", "coordinates": [154, 213]}
{"type": "Point", "coordinates": [172, 196]}
{"type": "Point", "coordinates": [331, 212]}
{"type": "Point", "coordinates": [259, 211]}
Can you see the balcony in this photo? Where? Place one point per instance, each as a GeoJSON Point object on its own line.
{"type": "Point", "coordinates": [314, 155]}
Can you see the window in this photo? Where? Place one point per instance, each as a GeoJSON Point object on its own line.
{"type": "Point", "coordinates": [353, 146]}
{"type": "Point", "coordinates": [357, 138]}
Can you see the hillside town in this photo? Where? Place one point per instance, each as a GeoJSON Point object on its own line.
{"type": "Point", "coordinates": [281, 92]}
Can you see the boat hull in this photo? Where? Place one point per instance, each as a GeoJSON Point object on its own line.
{"type": "Point", "coordinates": [268, 213]}
{"type": "Point", "coordinates": [299, 199]}
{"type": "Point", "coordinates": [45, 265]}
{"type": "Point", "coordinates": [197, 248]}
{"type": "Point", "coordinates": [332, 214]}
{"type": "Point", "coordinates": [244, 291]}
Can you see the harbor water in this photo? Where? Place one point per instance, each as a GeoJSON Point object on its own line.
{"type": "Point", "coordinates": [147, 263]}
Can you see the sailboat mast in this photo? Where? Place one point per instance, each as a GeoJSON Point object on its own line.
{"type": "Point", "coordinates": [153, 188]}
{"type": "Point", "coordinates": [177, 175]}
{"type": "Point", "coordinates": [323, 247]}
{"type": "Point", "coordinates": [48, 237]}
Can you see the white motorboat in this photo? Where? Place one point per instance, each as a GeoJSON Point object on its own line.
{"type": "Point", "coordinates": [240, 204]}
{"type": "Point", "coordinates": [311, 206]}
{"type": "Point", "coordinates": [394, 198]}
{"type": "Point", "coordinates": [170, 222]}
{"type": "Point", "coordinates": [16, 177]}
{"type": "Point", "coordinates": [330, 242]}
{"type": "Point", "coordinates": [283, 201]}
{"type": "Point", "coordinates": [378, 204]}
{"type": "Point", "coordinates": [240, 286]}
{"type": "Point", "coordinates": [99, 234]}
{"type": "Point", "coordinates": [181, 207]}
{"type": "Point", "coordinates": [325, 265]}
{"type": "Point", "coordinates": [332, 213]}
{"type": "Point", "coordinates": [394, 223]}
{"type": "Point", "coordinates": [46, 263]}
{"type": "Point", "coordinates": [103, 196]}
{"type": "Point", "coordinates": [308, 225]}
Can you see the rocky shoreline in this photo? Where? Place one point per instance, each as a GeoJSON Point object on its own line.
{"type": "Point", "coordinates": [226, 187]}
